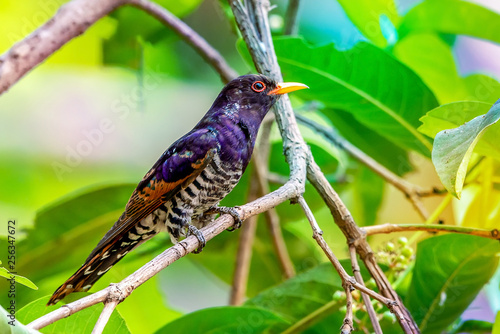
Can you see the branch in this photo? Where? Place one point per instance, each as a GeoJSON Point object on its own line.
{"type": "Point", "coordinates": [346, 279]}
{"type": "Point", "coordinates": [190, 36]}
{"type": "Point", "coordinates": [244, 254]}
{"type": "Point", "coordinates": [259, 43]}
{"type": "Point", "coordinates": [390, 228]}
{"type": "Point", "coordinates": [291, 18]}
{"type": "Point", "coordinates": [272, 218]}
{"type": "Point", "coordinates": [366, 299]}
{"type": "Point", "coordinates": [122, 290]}
{"type": "Point", "coordinates": [356, 237]}
{"type": "Point", "coordinates": [109, 307]}
{"type": "Point", "coordinates": [70, 21]}
{"type": "Point", "coordinates": [412, 192]}
{"type": "Point", "coordinates": [74, 18]}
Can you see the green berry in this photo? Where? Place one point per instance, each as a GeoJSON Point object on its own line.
{"type": "Point", "coordinates": [407, 252]}
{"type": "Point", "coordinates": [390, 247]}
{"type": "Point", "coordinates": [403, 241]}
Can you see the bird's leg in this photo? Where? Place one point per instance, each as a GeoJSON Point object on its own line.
{"type": "Point", "coordinates": [230, 211]}
{"type": "Point", "coordinates": [192, 230]}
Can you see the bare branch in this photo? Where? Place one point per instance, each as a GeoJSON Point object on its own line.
{"type": "Point", "coordinates": [291, 17]}
{"type": "Point", "coordinates": [391, 228]}
{"type": "Point", "coordinates": [272, 219]}
{"type": "Point", "coordinates": [366, 299]}
{"type": "Point", "coordinates": [347, 326]}
{"type": "Point", "coordinates": [356, 237]}
{"type": "Point", "coordinates": [190, 36]}
{"type": "Point", "coordinates": [346, 279]}
{"type": "Point", "coordinates": [411, 191]}
{"type": "Point", "coordinates": [109, 307]}
{"type": "Point", "coordinates": [70, 21]}
{"type": "Point", "coordinates": [244, 254]}
{"type": "Point", "coordinates": [172, 254]}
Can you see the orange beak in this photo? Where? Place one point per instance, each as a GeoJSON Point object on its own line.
{"type": "Point", "coordinates": [287, 87]}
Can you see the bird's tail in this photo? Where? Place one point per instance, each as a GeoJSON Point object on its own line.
{"type": "Point", "coordinates": [102, 258]}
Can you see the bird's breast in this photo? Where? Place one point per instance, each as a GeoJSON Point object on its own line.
{"type": "Point", "coordinates": [211, 186]}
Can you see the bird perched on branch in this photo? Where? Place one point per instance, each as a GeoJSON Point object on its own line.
{"type": "Point", "coordinates": [180, 193]}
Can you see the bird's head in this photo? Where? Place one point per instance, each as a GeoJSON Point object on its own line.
{"type": "Point", "coordinates": [252, 95]}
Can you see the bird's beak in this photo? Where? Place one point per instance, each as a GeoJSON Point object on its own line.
{"type": "Point", "coordinates": [287, 87]}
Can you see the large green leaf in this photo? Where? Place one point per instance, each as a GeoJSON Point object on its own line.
{"type": "Point", "coordinates": [227, 319]}
{"type": "Point", "coordinates": [433, 60]}
{"type": "Point", "coordinates": [370, 142]}
{"type": "Point", "coordinates": [452, 17]}
{"type": "Point", "coordinates": [369, 19]}
{"type": "Point", "coordinates": [81, 322]}
{"type": "Point", "coordinates": [380, 92]}
{"type": "Point", "coordinates": [449, 272]}
{"type": "Point", "coordinates": [453, 149]}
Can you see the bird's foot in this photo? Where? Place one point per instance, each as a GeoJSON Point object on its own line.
{"type": "Point", "coordinates": [201, 239]}
{"type": "Point", "coordinates": [230, 211]}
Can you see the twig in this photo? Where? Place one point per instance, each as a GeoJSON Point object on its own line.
{"type": "Point", "coordinates": [412, 192]}
{"type": "Point", "coordinates": [366, 299]}
{"type": "Point", "coordinates": [70, 21]}
{"type": "Point", "coordinates": [244, 254]}
{"type": "Point", "coordinates": [109, 307]}
{"type": "Point", "coordinates": [272, 220]}
{"type": "Point", "coordinates": [390, 228]}
{"type": "Point", "coordinates": [347, 281]}
{"type": "Point", "coordinates": [190, 36]}
{"type": "Point", "coordinates": [356, 237]}
{"type": "Point", "coordinates": [172, 254]}
{"type": "Point", "coordinates": [347, 325]}
{"type": "Point", "coordinates": [291, 17]}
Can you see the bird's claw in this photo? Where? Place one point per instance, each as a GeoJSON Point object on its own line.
{"type": "Point", "coordinates": [201, 239]}
{"type": "Point", "coordinates": [230, 211]}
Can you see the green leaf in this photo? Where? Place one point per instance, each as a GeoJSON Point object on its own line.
{"type": "Point", "coordinates": [452, 17]}
{"type": "Point", "coordinates": [18, 278]}
{"type": "Point", "coordinates": [449, 272]}
{"type": "Point", "coordinates": [368, 19]}
{"type": "Point", "coordinates": [482, 88]}
{"type": "Point", "coordinates": [80, 322]}
{"type": "Point", "coordinates": [10, 325]}
{"type": "Point", "coordinates": [453, 148]}
{"type": "Point", "coordinates": [379, 91]}
{"type": "Point", "coordinates": [227, 319]}
{"type": "Point", "coordinates": [433, 60]}
{"type": "Point", "coordinates": [376, 146]}
{"type": "Point", "coordinates": [457, 113]}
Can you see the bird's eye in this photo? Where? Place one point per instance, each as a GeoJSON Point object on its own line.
{"type": "Point", "coordinates": [258, 86]}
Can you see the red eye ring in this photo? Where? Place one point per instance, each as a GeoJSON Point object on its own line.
{"type": "Point", "coordinates": [258, 86]}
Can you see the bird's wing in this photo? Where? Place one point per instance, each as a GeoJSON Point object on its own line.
{"type": "Point", "coordinates": [175, 169]}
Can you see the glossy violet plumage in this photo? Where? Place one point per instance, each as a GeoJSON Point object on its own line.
{"type": "Point", "coordinates": [191, 177]}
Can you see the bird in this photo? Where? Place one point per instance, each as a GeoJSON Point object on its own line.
{"type": "Point", "coordinates": [181, 192]}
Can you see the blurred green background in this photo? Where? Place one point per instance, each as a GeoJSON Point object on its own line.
{"type": "Point", "coordinates": [99, 112]}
